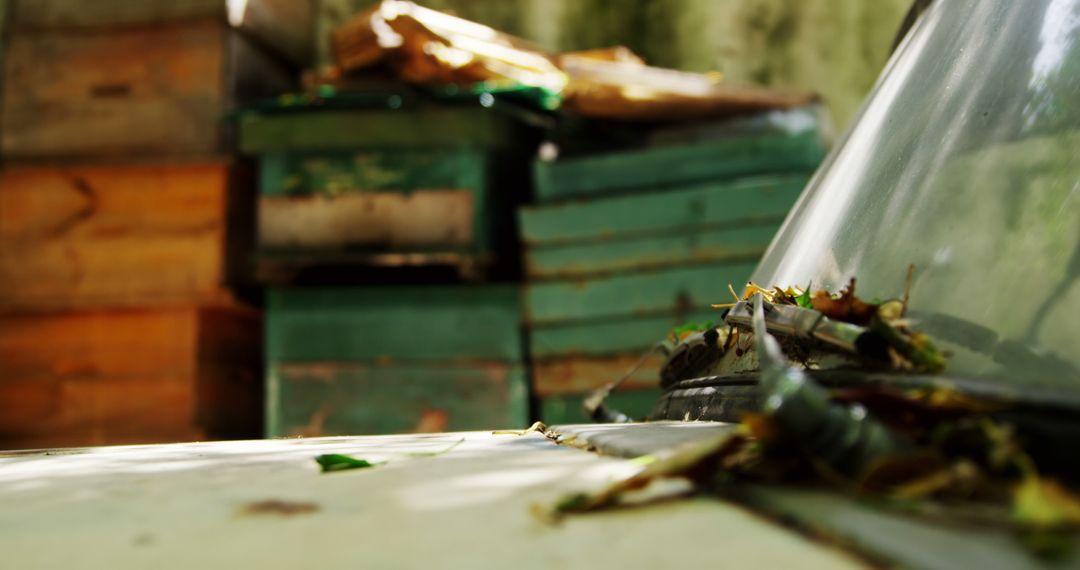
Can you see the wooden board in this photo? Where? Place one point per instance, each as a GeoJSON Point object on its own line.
{"type": "Point", "coordinates": [99, 377]}
{"type": "Point", "coordinates": [416, 323]}
{"type": "Point", "coordinates": [611, 336]}
{"type": "Point", "coordinates": [681, 289]}
{"type": "Point", "coordinates": [670, 166]}
{"type": "Point", "coordinates": [430, 218]}
{"type": "Point", "coordinates": [87, 236]}
{"type": "Point", "coordinates": [372, 170]}
{"type": "Point", "coordinates": [580, 375]}
{"type": "Point", "coordinates": [700, 207]}
{"type": "Point", "coordinates": [589, 259]}
{"type": "Point", "coordinates": [568, 409]}
{"type": "Point", "coordinates": [286, 26]}
{"type": "Point", "coordinates": [423, 126]}
{"type": "Point", "coordinates": [311, 399]}
{"type": "Point", "coordinates": [388, 200]}
{"type": "Point", "coordinates": [124, 94]}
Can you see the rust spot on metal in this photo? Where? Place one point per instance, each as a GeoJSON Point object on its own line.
{"type": "Point", "coordinates": [279, 507]}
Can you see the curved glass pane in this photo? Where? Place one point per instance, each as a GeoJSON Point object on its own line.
{"type": "Point", "coordinates": [965, 161]}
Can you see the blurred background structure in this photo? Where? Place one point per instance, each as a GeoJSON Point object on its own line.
{"type": "Point", "coordinates": [211, 226]}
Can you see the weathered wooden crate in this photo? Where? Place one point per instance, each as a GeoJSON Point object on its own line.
{"type": "Point", "coordinates": [422, 185]}
{"type": "Point", "coordinates": [386, 360]}
{"type": "Point", "coordinates": [177, 373]}
{"type": "Point", "coordinates": [409, 127]}
{"type": "Point", "coordinates": [625, 245]}
{"type": "Point", "coordinates": [730, 220]}
{"type": "Point", "coordinates": [669, 166]}
{"type": "Point", "coordinates": [585, 333]}
{"type": "Point", "coordinates": [339, 398]}
{"type": "Point", "coordinates": [79, 84]}
{"type": "Point", "coordinates": [569, 362]}
{"type": "Point", "coordinates": [119, 235]}
{"type": "Point", "coordinates": [685, 290]}
{"type": "Point", "coordinates": [388, 200]}
{"type": "Point", "coordinates": [612, 335]}
{"type": "Point", "coordinates": [285, 27]}
{"type": "Point", "coordinates": [388, 324]}
{"type": "Point", "coordinates": [568, 409]}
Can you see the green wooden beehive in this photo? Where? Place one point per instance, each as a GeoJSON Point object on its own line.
{"type": "Point", "coordinates": [408, 185]}
{"type": "Point", "coordinates": [721, 221]}
{"type": "Point", "coordinates": [363, 360]}
{"type": "Point", "coordinates": [622, 246]}
{"type": "Point", "coordinates": [669, 166]}
{"type": "Point", "coordinates": [590, 331]}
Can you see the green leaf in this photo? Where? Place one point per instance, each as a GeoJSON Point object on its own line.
{"type": "Point", "coordinates": [337, 462]}
{"type": "Point", "coordinates": [804, 299]}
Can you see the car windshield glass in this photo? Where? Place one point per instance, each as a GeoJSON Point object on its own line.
{"type": "Point", "coordinates": [964, 161]}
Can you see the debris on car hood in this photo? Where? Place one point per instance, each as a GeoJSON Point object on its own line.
{"type": "Point", "coordinates": [877, 332]}
{"type": "Point", "coordinates": [904, 446]}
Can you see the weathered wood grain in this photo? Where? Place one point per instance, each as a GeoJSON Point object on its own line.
{"type": "Point", "coordinates": [416, 323]}
{"type": "Point", "coordinates": [387, 200]}
{"type": "Point", "coordinates": [738, 243]}
{"type": "Point", "coordinates": [713, 205]}
{"type": "Point", "coordinates": [374, 169]}
{"type": "Point", "coordinates": [670, 166]}
{"type": "Point", "coordinates": [128, 93]}
{"type": "Point", "coordinates": [413, 128]}
{"type": "Point", "coordinates": [568, 409]}
{"type": "Point", "coordinates": [139, 91]}
{"type": "Point", "coordinates": [580, 375]}
{"type": "Point", "coordinates": [611, 336]}
{"type": "Point", "coordinates": [676, 290]}
{"type": "Point", "coordinates": [128, 376]}
{"type": "Point", "coordinates": [368, 219]}
{"type": "Point", "coordinates": [85, 236]}
{"type": "Point", "coordinates": [286, 26]}
{"type": "Point", "coordinates": [333, 398]}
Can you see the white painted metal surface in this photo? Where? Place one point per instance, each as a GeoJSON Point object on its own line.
{"type": "Point", "coordinates": [189, 506]}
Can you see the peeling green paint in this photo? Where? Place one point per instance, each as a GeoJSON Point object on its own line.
{"type": "Point", "coordinates": [705, 206]}
{"type": "Point", "coordinates": [568, 409]}
{"type": "Point", "coordinates": [355, 324]}
{"type": "Point", "coordinates": [682, 289]}
{"type": "Point", "coordinates": [610, 337]}
{"type": "Point", "coordinates": [665, 167]}
{"type": "Point", "coordinates": [315, 399]}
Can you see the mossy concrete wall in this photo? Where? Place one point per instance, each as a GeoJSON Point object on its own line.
{"type": "Point", "coordinates": [833, 47]}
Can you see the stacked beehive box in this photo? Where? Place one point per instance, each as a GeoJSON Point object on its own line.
{"type": "Point", "coordinates": [624, 246]}
{"type": "Point", "coordinates": [357, 201]}
{"type": "Point", "coordinates": [392, 360]}
{"type": "Point", "coordinates": [121, 217]}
